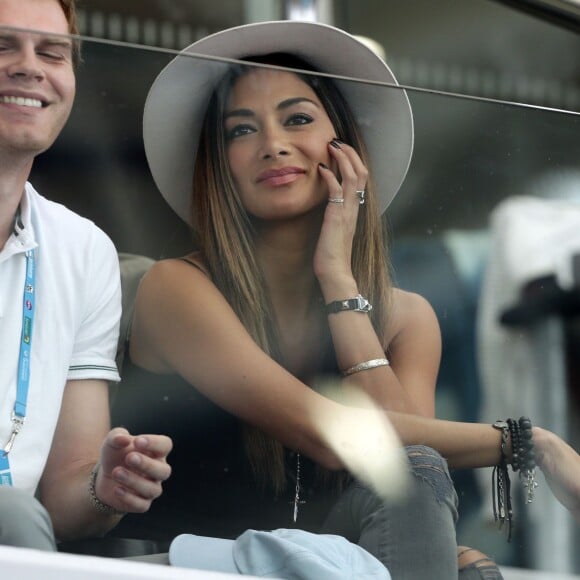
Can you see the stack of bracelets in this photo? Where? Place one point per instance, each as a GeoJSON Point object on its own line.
{"type": "Point", "coordinates": [523, 460]}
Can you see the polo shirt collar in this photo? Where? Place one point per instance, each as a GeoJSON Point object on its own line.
{"type": "Point", "coordinates": [22, 238]}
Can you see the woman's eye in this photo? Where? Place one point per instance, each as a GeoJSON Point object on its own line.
{"type": "Point", "coordinates": [239, 131]}
{"type": "Point", "coordinates": [299, 119]}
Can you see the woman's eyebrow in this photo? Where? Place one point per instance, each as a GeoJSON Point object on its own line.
{"type": "Point", "coordinates": [294, 101]}
{"type": "Point", "coordinates": [286, 103]}
{"type": "Point", "coordinates": [239, 113]}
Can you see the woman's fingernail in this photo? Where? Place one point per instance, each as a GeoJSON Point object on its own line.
{"type": "Point", "coordinates": [323, 165]}
{"type": "Point", "coordinates": [335, 143]}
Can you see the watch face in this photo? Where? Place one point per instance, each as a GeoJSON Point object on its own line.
{"type": "Point", "coordinates": [363, 305]}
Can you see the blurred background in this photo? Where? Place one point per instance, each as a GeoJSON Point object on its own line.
{"type": "Point", "coordinates": [495, 92]}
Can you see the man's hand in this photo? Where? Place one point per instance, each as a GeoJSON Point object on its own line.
{"type": "Point", "coordinates": [133, 469]}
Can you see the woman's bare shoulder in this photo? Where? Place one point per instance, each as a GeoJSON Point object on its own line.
{"type": "Point", "coordinates": [407, 305]}
{"type": "Point", "coordinates": [171, 271]}
{"type": "Point", "coordinates": [409, 310]}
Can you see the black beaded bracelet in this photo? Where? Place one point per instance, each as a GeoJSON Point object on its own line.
{"type": "Point", "coordinates": [514, 429]}
{"type": "Point", "coordinates": [527, 458]}
{"type": "Point", "coordinates": [523, 460]}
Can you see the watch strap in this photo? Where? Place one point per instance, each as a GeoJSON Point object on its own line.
{"type": "Point", "coordinates": [357, 304]}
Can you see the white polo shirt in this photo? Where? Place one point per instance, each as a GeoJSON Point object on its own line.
{"type": "Point", "coordinates": [76, 321]}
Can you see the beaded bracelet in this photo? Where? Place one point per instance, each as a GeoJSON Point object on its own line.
{"type": "Point", "coordinates": [527, 458]}
{"type": "Point", "coordinates": [523, 460]}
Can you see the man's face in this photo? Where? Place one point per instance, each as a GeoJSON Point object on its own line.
{"type": "Point", "coordinates": [37, 82]}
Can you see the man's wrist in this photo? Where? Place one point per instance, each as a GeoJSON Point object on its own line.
{"type": "Point", "coordinates": [99, 505]}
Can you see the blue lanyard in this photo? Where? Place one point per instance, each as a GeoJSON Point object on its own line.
{"type": "Point", "coordinates": [26, 338]}
{"type": "Point", "coordinates": [23, 379]}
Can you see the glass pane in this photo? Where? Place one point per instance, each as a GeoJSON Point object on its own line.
{"type": "Point", "coordinates": [470, 155]}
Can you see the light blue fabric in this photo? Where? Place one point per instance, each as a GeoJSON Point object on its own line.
{"type": "Point", "coordinates": [283, 553]}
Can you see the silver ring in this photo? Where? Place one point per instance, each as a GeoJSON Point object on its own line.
{"type": "Point", "coordinates": [361, 196]}
{"type": "Point", "coordinates": [336, 200]}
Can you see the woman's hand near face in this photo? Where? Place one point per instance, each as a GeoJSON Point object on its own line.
{"type": "Point", "coordinates": [413, 334]}
{"type": "Point", "coordinates": [332, 258]}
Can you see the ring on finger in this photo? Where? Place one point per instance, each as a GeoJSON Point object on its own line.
{"type": "Point", "coordinates": [361, 196]}
{"type": "Point", "coordinates": [336, 200]}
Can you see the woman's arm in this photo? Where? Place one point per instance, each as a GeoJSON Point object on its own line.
{"type": "Point", "coordinates": [412, 336]}
{"type": "Point", "coordinates": [464, 445]}
{"type": "Point", "coordinates": [408, 384]}
{"type": "Point", "coordinates": [183, 324]}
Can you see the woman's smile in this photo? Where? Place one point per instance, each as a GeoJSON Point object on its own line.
{"type": "Point", "coordinates": [279, 177]}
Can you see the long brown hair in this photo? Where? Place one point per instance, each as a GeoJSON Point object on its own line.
{"type": "Point", "coordinates": [226, 237]}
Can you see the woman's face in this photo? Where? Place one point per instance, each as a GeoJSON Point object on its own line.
{"type": "Point", "coordinates": [277, 132]}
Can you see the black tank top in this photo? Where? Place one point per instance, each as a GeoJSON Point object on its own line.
{"type": "Point", "coordinates": [211, 490]}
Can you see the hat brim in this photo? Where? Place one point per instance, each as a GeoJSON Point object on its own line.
{"type": "Point", "coordinates": [178, 99]}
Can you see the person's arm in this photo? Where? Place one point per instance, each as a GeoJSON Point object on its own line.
{"type": "Point", "coordinates": [560, 465]}
{"type": "Point", "coordinates": [183, 324]}
{"type": "Point", "coordinates": [408, 383]}
{"type": "Point", "coordinates": [131, 472]}
{"type": "Point", "coordinates": [413, 335]}
{"type": "Point", "coordinates": [464, 445]}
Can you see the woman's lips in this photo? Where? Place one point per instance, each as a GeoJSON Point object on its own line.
{"type": "Point", "coordinates": [275, 177]}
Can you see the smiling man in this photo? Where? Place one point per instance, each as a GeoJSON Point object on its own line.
{"type": "Point", "coordinates": [59, 315]}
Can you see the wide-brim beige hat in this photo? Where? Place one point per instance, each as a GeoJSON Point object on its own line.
{"type": "Point", "coordinates": [178, 99]}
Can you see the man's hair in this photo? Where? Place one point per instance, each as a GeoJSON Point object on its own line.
{"type": "Point", "coordinates": [70, 11]}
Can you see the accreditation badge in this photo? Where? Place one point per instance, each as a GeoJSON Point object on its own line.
{"type": "Point", "coordinates": [5, 477]}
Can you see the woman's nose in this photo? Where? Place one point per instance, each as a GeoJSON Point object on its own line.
{"type": "Point", "coordinates": [273, 144]}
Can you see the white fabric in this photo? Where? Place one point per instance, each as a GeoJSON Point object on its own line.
{"type": "Point", "coordinates": [523, 370]}
{"type": "Point", "coordinates": [530, 238]}
{"type": "Point", "coordinates": [76, 325]}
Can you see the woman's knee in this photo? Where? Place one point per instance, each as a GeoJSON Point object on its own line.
{"type": "Point", "coordinates": [475, 565]}
{"type": "Point", "coordinates": [429, 466]}
{"type": "Point", "coordinates": [23, 521]}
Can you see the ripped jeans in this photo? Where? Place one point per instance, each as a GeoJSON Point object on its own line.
{"type": "Point", "coordinates": [415, 539]}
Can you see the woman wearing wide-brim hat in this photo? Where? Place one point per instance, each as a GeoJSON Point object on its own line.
{"type": "Point", "coordinates": [284, 177]}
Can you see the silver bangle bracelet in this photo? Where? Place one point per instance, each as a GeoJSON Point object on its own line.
{"type": "Point", "coordinates": [99, 505]}
{"type": "Point", "coordinates": [366, 365]}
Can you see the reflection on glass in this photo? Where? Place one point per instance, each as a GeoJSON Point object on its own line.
{"type": "Point", "coordinates": [469, 157]}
